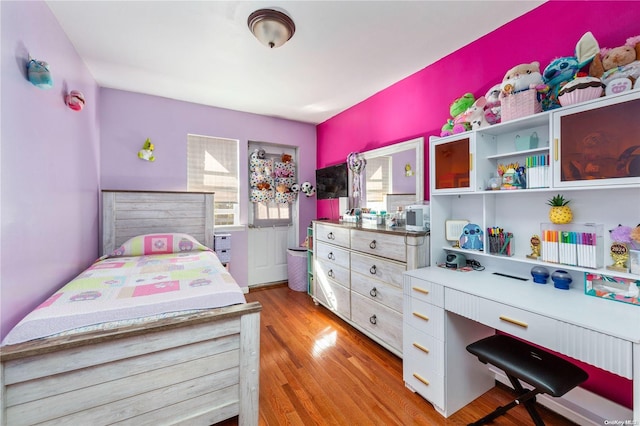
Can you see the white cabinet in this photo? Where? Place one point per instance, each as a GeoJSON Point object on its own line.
{"type": "Point", "coordinates": [358, 275]}
{"type": "Point", "coordinates": [602, 181]}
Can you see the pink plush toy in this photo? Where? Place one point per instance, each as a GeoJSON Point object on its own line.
{"type": "Point", "coordinates": [475, 114]}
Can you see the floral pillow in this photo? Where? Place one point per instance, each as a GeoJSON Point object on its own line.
{"type": "Point", "coordinates": [158, 244]}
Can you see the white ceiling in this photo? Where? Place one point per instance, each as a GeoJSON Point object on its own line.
{"type": "Point", "coordinates": [202, 51]}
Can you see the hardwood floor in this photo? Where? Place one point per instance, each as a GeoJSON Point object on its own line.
{"type": "Point", "coordinates": [317, 370]}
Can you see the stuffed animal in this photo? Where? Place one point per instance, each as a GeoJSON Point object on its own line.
{"type": "Point", "coordinates": [471, 237]}
{"type": "Point", "coordinates": [562, 70]}
{"type": "Point", "coordinates": [618, 68]}
{"type": "Point", "coordinates": [286, 158]}
{"type": "Point", "coordinates": [263, 186]}
{"type": "Point", "coordinates": [281, 187]}
{"type": "Point", "coordinates": [492, 109]}
{"type": "Point", "coordinates": [146, 153]}
{"type": "Point", "coordinates": [522, 77]}
{"type": "Point", "coordinates": [456, 124]}
{"type": "Point", "coordinates": [295, 188]}
{"type": "Point", "coordinates": [475, 114]}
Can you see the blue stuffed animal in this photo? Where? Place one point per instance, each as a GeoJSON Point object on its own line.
{"type": "Point", "coordinates": [471, 237]}
{"type": "Point", "coordinates": [562, 70]}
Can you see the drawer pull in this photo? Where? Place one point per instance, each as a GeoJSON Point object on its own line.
{"type": "Point", "coordinates": [373, 320]}
{"type": "Point", "coordinates": [422, 348]}
{"type": "Point", "coordinates": [421, 290]}
{"type": "Point", "coordinates": [373, 292]}
{"type": "Point", "coordinates": [424, 317]}
{"type": "Point", "coordinates": [420, 378]}
{"type": "Point", "coordinates": [373, 270]}
{"type": "Point", "coordinates": [372, 244]}
{"type": "Point", "coordinates": [330, 236]}
{"type": "Point", "coordinates": [331, 274]}
{"type": "Point", "coordinates": [513, 321]}
{"type": "Point", "coordinates": [331, 256]}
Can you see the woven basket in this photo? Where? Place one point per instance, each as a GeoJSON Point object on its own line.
{"type": "Point", "coordinates": [521, 104]}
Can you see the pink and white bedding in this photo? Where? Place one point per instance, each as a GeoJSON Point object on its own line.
{"type": "Point", "coordinates": [148, 276]}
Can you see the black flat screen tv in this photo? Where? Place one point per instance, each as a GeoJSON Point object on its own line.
{"type": "Point", "coordinates": [332, 182]}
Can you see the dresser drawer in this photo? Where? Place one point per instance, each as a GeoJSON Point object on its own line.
{"type": "Point", "coordinates": [332, 295]}
{"type": "Point", "coordinates": [332, 234]}
{"type": "Point", "coordinates": [384, 323]}
{"type": "Point", "coordinates": [332, 254]}
{"type": "Point", "coordinates": [377, 291]}
{"type": "Point", "coordinates": [384, 270]}
{"type": "Point", "coordinates": [424, 352]}
{"type": "Point", "coordinates": [424, 290]}
{"type": "Point", "coordinates": [424, 317]}
{"type": "Point", "coordinates": [329, 271]}
{"type": "Point", "coordinates": [385, 245]}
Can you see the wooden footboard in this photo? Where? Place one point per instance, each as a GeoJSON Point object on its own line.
{"type": "Point", "coordinates": [195, 369]}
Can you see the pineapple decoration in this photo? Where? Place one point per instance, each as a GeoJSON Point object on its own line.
{"type": "Point", "coordinates": [560, 212]}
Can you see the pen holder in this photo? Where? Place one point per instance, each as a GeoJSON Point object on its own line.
{"type": "Point", "coordinates": [501, 244]}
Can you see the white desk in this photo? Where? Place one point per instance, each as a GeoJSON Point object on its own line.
{"type": "Point", "coordinates": [603, 333]}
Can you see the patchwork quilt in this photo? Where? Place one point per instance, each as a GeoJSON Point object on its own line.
{"type": "Point", "coordinates": [121, 287]}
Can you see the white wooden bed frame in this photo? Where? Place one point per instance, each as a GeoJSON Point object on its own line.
{"type": "Point", "coordinates": [196, 369]}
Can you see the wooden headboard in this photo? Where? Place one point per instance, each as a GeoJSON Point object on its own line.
{"type": "Point", "coordinates": [126, 214]}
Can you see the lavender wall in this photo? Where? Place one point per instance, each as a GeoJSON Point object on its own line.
{"type": "Point", "coordinates": [419, 105]}
{"type": "Point", "coordinates": [127, 119]}
{"type": "Point", "coordinates": [50, 164]}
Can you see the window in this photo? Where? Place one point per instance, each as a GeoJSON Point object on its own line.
{"type": "Point", "coordinates": [212, 166]}
{"type": "Point", "coordinates": [377, 181]}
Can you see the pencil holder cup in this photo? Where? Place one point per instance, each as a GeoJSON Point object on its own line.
{"type": "Point", "coordinates": [540, 274]}
{"type": "Point", "coordinates": [561, 279]}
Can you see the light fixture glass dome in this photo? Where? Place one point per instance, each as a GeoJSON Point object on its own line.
{"type": "Point", "coordinates": [271, 27]}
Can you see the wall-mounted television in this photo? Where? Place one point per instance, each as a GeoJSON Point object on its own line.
{"type": "Point", "coordinates": [332, 182]}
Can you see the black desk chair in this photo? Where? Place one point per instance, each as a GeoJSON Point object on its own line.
{"type": "Point", "coordinates": [545, 372]}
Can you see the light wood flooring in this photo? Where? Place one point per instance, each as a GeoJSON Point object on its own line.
{"type": "Point", "coordinates": [318, 370]}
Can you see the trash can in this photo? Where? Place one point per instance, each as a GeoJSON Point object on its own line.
{"type": "Point", "coordinates": [297, 268]}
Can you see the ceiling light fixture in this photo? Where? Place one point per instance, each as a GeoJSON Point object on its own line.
{"type": "Point", "coordinates": [271, 27]}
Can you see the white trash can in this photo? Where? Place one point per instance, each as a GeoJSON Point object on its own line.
{"type": "Point", "coordinates": [297, 268]}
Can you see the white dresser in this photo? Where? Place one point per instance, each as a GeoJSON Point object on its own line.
{"type": "Point", "coordinates": [358, 275]}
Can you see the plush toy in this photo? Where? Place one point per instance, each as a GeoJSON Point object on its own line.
{"type": "Point", "coordinates": [492, 109]}
{"type": "Point", "coordinates": [295, 188]}
{"type": "Point", "coordinates": [618, 68]}
{"type": "Point", "coordinates": [475, 114]}
{"type": "Point", "coordinates": [522, 77]}
{"type": "Point", "coordinates": [263, 186]}
{"type": "Point", "coordinates": [286, 158]}
{"type": "Point", "coordinates": [562, 70]}
{"type": "Point", "coordinates": [307, 189]}
{"type": "Point", "coordinates": [456, 124]}
{"type": "Point", "coordinates": [281, 187]}
{"type": "Point", "coordinates": [261, 153]}
{"type": "Point", "coordinates": [471, 237]}
{"type": "Point", "coordinates": [146, 153]}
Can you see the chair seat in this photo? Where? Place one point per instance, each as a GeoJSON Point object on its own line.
{"type": "Point", "coordinates": [544, 371]}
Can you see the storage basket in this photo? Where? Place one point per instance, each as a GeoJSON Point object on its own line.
{"type": "Point", "coordinates": [521, 104]}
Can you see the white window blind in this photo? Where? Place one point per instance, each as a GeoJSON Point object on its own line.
{"type": "Point", "coordinates": [212, 166]}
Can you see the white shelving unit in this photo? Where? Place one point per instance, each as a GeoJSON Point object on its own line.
{"type": "Point", "coordinates": [459, 189]}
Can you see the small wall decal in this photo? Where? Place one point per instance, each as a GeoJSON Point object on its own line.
{"type": "Point", "coordinates": [146, 153]}
{"type": "Point", "coordinates": [39, 74]}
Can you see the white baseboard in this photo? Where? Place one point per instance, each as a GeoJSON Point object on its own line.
{"type": "Point", "coordinates": [578, 405]}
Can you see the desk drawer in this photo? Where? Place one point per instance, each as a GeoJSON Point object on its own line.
{"type": "Point", "coordinates": [385, 245]}
{"type": "Point", "coordinates": [515, 321]}
{"type": "Point", "coordinates": [424, 317]}
{"type": "Point", "coordinates": [424, 352]}
{"type": "Point", "coordinates": [332, 234]}
{"type": "Point", "coordinates": [377, 291]}
{"type": "Point", "coordinates": [388, 323]}
{"type": "Point", "coordinates": [374, 267]}
{"type": "Point", "coordinates": [424, 290]}
{"type": "Point", "coordinates": [332, 254]}
{"type": "Point", "coordinates": [418, 375]}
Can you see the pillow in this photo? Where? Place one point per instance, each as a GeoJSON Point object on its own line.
{"type": "Point", "coordinates": [158, 244]}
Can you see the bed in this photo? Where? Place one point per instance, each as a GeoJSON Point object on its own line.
{"type": "Point", "coordinates": [193, 364]}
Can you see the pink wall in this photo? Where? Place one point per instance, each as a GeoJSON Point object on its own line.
{"type": "Point", "coordinates": [127, 119]}
{"type": "Point", "coordinates": [419, 105]}
{"type": "Point", "coordinates": [49, 166]}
